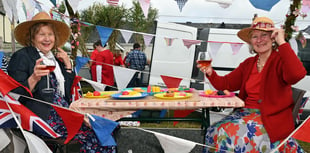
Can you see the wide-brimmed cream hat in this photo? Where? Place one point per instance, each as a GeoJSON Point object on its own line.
{"type": "Point", "coordinates": [21, 32]}
{"type": "Point", "coordinates": [259, 23]}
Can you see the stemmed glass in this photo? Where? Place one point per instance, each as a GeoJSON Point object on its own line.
{"type": "Point", "coordinates": [50, 65]}
{"type": "Point", "coordinates": [204, 59]}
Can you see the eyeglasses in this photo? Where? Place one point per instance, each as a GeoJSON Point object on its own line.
{"type": "Point", "coordinates": [263, 36]}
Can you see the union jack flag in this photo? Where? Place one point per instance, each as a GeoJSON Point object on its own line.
{"type": "Point", "coordinates": [113, 2]}
{"type": "Point", "coordinates": [29, 121]}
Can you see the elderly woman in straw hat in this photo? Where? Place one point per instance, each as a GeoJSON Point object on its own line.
{"type": "Point", "coordinates": [264, 83]}
{"type": "Point", "coordinates": [41, 36]}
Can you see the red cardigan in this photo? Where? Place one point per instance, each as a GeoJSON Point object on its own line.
{"type": "Point", "coordinates": [282, 69]}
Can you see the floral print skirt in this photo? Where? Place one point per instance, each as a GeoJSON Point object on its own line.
{"type": "Point", "coordinates": [243, 131]}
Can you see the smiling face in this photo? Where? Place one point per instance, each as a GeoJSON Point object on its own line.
{"type": "Point", "coordinates": [261, 41]}
{"type": "Point", "coordinates": [44, 38]}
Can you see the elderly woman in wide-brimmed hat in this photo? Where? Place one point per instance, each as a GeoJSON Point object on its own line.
{"type": "Point", "coordinates": [264, 83]}
{"type": "Point", "coordinates": [42, 38]}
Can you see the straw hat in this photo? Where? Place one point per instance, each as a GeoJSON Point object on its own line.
{"type": "Point", "coordinates": [259, 23]}
{"type": "Point", "coordinates": [21, 32]}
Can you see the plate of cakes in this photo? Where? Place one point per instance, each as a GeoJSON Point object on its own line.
{"type": "Point", "coordinates": [170, 94]}
{"type": "Point", "coordinates": [129, 94]}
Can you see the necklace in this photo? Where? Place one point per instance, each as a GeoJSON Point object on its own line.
{"type": "Point", "coordinates": [259, 65]}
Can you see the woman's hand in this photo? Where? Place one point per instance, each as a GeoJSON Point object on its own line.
{"type": "Point", "coordinates": [38, 72]}
{"type": "Point", "coordinates": [205, 69]}
{"type": "Point", "coordinates": [278, 35]}
{"type": "Point", "coordinates": [63, 56]}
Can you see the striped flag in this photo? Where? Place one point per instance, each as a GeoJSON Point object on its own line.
{"type": "Point", "coordinates": [113, 2]}
{"type": "Point", "coordinates": [29, 121]}
{"type": "Point", "coordinates": [181, 4]}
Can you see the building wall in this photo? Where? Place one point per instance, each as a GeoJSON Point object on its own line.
{"type": "Point", "coordinates": [5, 29]}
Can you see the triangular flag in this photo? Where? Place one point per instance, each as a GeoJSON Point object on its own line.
{"type": "Point", "coordinates": [173, 144]}
{"type": "Point", "coordinates": [103, 129]}
{"type": "Point", "coordinates": [264, 4]}
{"type": "Point", "coordinates": [18, 143]}
{"type": "Point", "coordinates": [147, 39]}
{"type": "Point", "coordinates": [189, 43]}
{"type": "Point", "coordinates": [180, 113]}
{"type": "Point", "coordinates": [35, 144]}
{"type": "Point", "coordinates": [181, 4]}
{"type": "Point", "coordinates": [171, 82]}
{"type": "Point", "coordinates": [74, 4]}
{"type": "Point", "coordinates": [303, 131]}
{"type": "Point", "coordinates": [113, 2]}
{"type": "Point", "coordinates": [126, 35]}
{"type": "Point", "coordinates": [145, 5]}
{"type": "Point", "coordinates": [7, 84]}
{"type": "Point", "coordinates": [236, 47]}
{"type": "Point", "coordinates": [222, 3]}
{"type": "Point", "coordinates": [10, 9]}
{"type": "Point", "coordinates": [76, 90]}
{"type": "Point", "coordinates": [5, 140]}
{"type": "Point", "coordinates": [214, 48]}
{"type": "Point", "coordinates": [80, 62]}
{"type": "Point", "coordinates": [122, 76]}
{"type": "Point", "coordinates": [104, 34]}
{"type": "Point", "coordinates": [96, 85]}
{"type": "Point", "coordinates": [169, 41]}
{"type": "Point", "coordinates": [72, 120]}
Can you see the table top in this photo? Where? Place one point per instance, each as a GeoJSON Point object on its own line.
{"type": "Point", "coordinates": [116, 108]}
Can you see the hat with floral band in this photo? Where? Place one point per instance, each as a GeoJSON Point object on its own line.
{"type": "Point", "coordinates": [259, 23]}
{"type": "Point", "coordinates": [22, 30]}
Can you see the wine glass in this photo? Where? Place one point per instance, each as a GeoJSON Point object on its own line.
{"type": "Point", "coordinates": [50, 65]}
{"type": "Point", "coordinates": [204, 59]}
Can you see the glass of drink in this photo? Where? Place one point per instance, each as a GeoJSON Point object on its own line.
{"type": "Point", "coordinates": [50, 65]}
{"type": "Point", "coordinates": [204, 59]}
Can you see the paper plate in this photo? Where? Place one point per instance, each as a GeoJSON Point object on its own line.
{"type": "Point", "coordinates": [177, 90]}
{"type": "Point", "coordinates": [104, 94]}
{"type": "Point", "coordinates": [119, 96]}
{"type": "Point", "coordinates": [202, 93]}
{"type": "Point", "coordinates": [176, 96]}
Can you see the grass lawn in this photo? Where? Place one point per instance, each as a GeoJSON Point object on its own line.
{"type": "Point", "coordinates": [183, 124]}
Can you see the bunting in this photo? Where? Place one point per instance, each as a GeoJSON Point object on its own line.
{"type": "Point", "coordinates": [7, 84]}
{"type": "Point", "coordinates": [303, 132]}
{"type": "Point", "coordinates": [104, 34]}
{"type": "Point", "coordinates": [80, 62]}
{"type": "Point", "coordinates": [103, 129]}
{"type": "Point", "coordinates": [305, 6]}
{"type": "Point", "coordinates": [126, 35]}
{"type": "Point", "coordinates": [222, 3]}
{"type": "Point", "coordinates": [122, 76]}
{"type": "Point", "coordinates": [236, 47]}
{"type": "Point", "coordinates": [169, 41]}
{"type": "Point", "coordinates": [10, 9]}
{"type": "Point", "coordinates": [188, 43]}
{"type": "Point", "coordinates": [145, 5]}
{"type": "Point", "coordinates": [72, 120]}
{"type": "Point", "coordinates": [96, 85]}
{"type": "Point", "coordinates": [214, 48]}
{"type": "Point", "coordinates": [113, 2]}
{"type": "Point", "coordinates": [147, 39]}
{"type": "Point", "coordinates": [74, 4]}
{"type": "Point", "coordinates": [264, 4]}
{"type": "Point", "coordinates": [181, 4]}
{"type": "Point", "coordinates": [171, 82]}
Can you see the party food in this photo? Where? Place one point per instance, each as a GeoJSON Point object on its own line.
{"type": "Point", "coordinates": [169, 93]}
{"type": "Point", "coordinates": [130, 93]}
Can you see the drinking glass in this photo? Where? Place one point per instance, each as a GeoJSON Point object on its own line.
{"type": "Point", "coordinates": [204, 59]}
{"type": "Point", "coordinates": [50, 65]}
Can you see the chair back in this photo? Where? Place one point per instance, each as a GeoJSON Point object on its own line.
{"type": "Point", "coordinates": [298, 94]}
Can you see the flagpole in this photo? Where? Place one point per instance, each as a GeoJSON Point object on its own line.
{"type": "Point", "coordinates": [276, 149]}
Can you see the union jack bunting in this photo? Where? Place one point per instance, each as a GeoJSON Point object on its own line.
{"type": "Point", "coordinates": [76, 91]}
{"type": "Point", "coordinates": [28, 120]}
{"type": "Point", "coordinates": [113, 2]}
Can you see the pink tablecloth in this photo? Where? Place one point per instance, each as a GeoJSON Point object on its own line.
{"type": "Point", "coordinates": [115, 109]}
